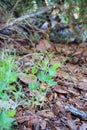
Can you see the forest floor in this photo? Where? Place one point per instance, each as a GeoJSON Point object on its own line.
{"type": "Point", "coordinates": [65, 107]}
{"type": "Point", "coordinates": [50, 90]}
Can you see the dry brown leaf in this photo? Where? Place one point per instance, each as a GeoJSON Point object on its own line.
{"type": "Point", "coordinates": [84, 107]}
{"type": "Point", "coordinates": [25, 79]}
{"type": "Point", "coordinates": [83, 85]}
{"type": "Point", "coordinates": [43, 45]}
{"type": "Point", "coordinates": [83, 45]}
{"type": "Point", "coordinates": [59, 90]}
{"type": "Point", "coordinates": [43, 86]}
{"type": "Point", "coordinates": [30, 119]}
{"type": "Point", "coordinates": [46, 113]}
{"type": "Point", "coordinates": [73, 91]}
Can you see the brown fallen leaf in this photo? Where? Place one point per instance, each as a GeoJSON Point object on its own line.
{"type": "Point", "coordinates": [26, 80]}
{"type": "Point", "coordinates": [30, 118]}
{"type": "Point", "coordinates": [82, 106]}
{"type": "Point", "coordinates": [83, 85]}
{"type": "Point", "coordinates": [73, 91]}
{"type": "Point", "coordinates": [46, 113]}
{"type": "Point", "coordinates": [57, 89]}
{"type": "Point", "coordinates": [83, 45]}
{"type": "Point", "coordinates": [78, 53]}
{"type": "Point", "coordinates": [43, 45]}
{"type": "Point", "coordinates": [49, 96]}
{"type": "Point", "coordinates": [84, 71]}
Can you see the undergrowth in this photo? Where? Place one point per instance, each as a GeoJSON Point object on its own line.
{"type": "Point", "coordinates": [8, 77]}
{"type": "Point", "coordinates": [42, 74]}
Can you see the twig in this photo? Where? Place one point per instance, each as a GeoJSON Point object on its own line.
{"type": "Point", "coordinates": [38, 12]}
{"type": "Point", "coordinates": [15, 5]}
{"type": "Point", "coordinates": [76, 112]}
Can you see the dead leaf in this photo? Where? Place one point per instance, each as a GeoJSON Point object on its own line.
{"type": "Point", "coordinates": [25, 79]}
{"type": "Point", "coordinates": [30, 118]}
{"type": "Point", "coordinates": [83, 45]}
{"type": "Point", "coordinates": [43, 45]}
{"type": "Point", "coordinates": [59, 90]}
{"type": "Point", "coordinates": [43, 86]}
{"type": "Point", "coordinates": [83, 85]}
{"type": "Point", "coordinates": [49, 96]}
{"type": "Point", "coordinates": [84, 71]}
{"type": "Point", "coordinates": [46, 113]}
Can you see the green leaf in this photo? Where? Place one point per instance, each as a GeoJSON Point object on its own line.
{"type": "Point", "coordinates": [10, 113]}
{"type": "Point", "coordinates": [34, 70]}
{"type": "Point", "coordinates": [44, 66]}
{"type": "Point", "coordinates": [51, 82]}
{"type": "Point", "coordinates": [5, 122]}
{"type": "Point", "coordinates": [3, 86]}
{"type": "Point", "coordinates": [33, 86]}
{"type": "Point", "coordinates": [4, 96]}
{"type": "Point", "coordinates": [12, 77]}
{"type": "Point", "coordinates": [85, 26]}
{"type": "Point", "coordinates": [41, 76]}
{"type": "Point", "coordinates": [52, 71]}
{"type": "Point", "coordinates": [56, 65]}
{"type": "Point", "coordinates": [45, 62]}
{"type": "Point", "coordinates": [13, 88]}
{"type": "Point", "coordinates": [47, 77]}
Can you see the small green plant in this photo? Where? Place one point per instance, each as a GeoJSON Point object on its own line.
{"type": "Point", "coordinates": [8, 76]}
{"type": "Point", "coordinates": [47, 73]}
{"type": "Point", "coordinates": [44, 72]}
{"type": "Point", "coordinates": [6, 119]}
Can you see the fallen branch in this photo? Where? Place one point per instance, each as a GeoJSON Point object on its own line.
{"type": "Point", "coordinates": [76, 112]}
{"type": "Point", "coordinates": [37, 13]}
